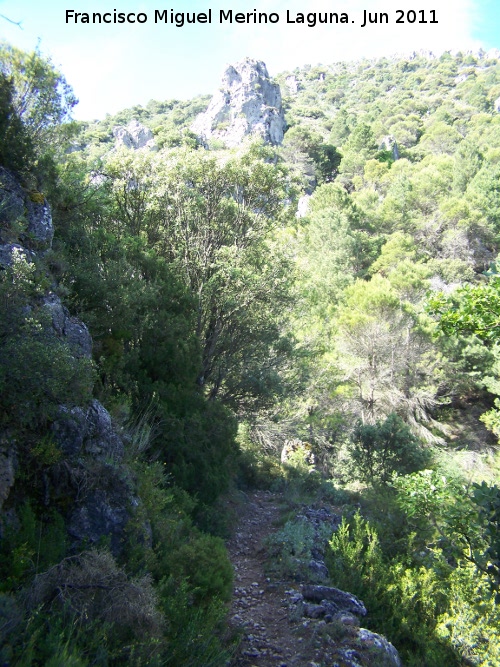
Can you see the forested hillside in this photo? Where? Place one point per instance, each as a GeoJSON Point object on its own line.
{"type": "Point", "coordinates": [319, 315]}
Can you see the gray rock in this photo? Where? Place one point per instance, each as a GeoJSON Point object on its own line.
{"type": "Point", "coordinates": [78, 337]}
{"type": "Point", "coordinates": [318, 569]}
{"type": "Point", "coordinates": [303, 206]}
{"type": "Point", "coordinates": [10, 251]}
{"type": "Point", "coordinates": [347, 618]}
{"type": "Point", "coordinates": [70, 329]}
{"type": "Point", "coordinates": [371, 639]}
{"type": "Point", "coordinates": [292, 84]}
{"type": "Point", "coordinates": [134, 136]}
{"type": "Point", "coordinates": [102, 441]}
{"type": "Point", "coordinates": [11, 198]}
{"type": "Point", "coordinates": [389, 144]}
{"type": "Point", "coordinates": [342, 600]}
{"type": "Point", "coordinates": [40, 227]}
{"type": "Point", "coordinates": [102, 513]}
{"type": "Point", "coordinates": [78, 431]}
{"type": "Point", "coordinates": [313, 610]}
{"type": "Point", "coordinates": [347, 657]}
{"type": "Point", "coordinates": [8, 464]}
{"type": "Point", "coordinates": [295, 445]}
{"type": "Point", "coordinates": [69, 430]}
{"type": "Point", "coordinates": [32, 208]}
{"type": "Point", "coordinates": [496, 105]}
{"type": "Point", "coordinates": [247, 103]}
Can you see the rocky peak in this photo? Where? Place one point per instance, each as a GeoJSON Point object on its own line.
{"type": "Point", "coordinates": [134, 135]}
{"type": "Point", "coordinates": [247, 103]}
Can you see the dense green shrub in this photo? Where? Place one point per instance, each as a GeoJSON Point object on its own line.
{"type": "Point", "coordinates": [195, 635]}
{"type": "Point", "coordinates": [383, 448]}
{"type": "Point", "coordinates": [433, 612]}
{"type": "Point", "coordinates": [38, 371]}
{"type": "Point", "coordinates": [203, 562]}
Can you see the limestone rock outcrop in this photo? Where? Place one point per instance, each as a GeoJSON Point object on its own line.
{"type": "Point", "coordinates": [247, 103]}
{"type": "Point", "coordinates": [27, 210]}
{"type": "Point", "coordinates": [134, 136]}
{"type": "Point", "coordinates": [70, 329]}
{"type": "Point", "coordinates": [80, 431]}
{"type": "Point", "coordinates": [390, 145]}
{"type": "Point", "coordinates": [292, 84]}
{"type": "Point", "coordinates": [104, 509]}
{"type": "Point", "coordinates": [88, 475]}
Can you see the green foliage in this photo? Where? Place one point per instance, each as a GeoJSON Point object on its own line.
{"type": "Point", "coordinates": [38, 371]}
{"type": "Point", "coordinates": [464, 520]}
{"type": "Point", "coordinates": [207, 299]}
{"type": "Point", "coordinates": [386, 447]}
{"type": "Point", "coordinates": [290, 549]}
{"type": "Point", "coordinates": [39, 100]}
{"type": "Point", "coordinates": [203, 562]}
{"type": "Point", "coordinates": [429, 610]}
{"type": "Point", "coordinates": [310, 155]}
{"type": "Point", "coordinates": [42, 96]}
{"type": "Point", "coordinates": [194, 634]}
{"type": "Point", "coordinates": [473, 309]}
{"type": "Point", "coordinates": [35, 544]}
{"type": "Point", "coordinates": [16, 151]}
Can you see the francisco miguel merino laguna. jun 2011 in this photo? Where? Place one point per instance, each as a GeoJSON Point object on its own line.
{"type": "Point", "coordinates": [179, 19]}
{"type": "Point", "coordinates": [311, 19]}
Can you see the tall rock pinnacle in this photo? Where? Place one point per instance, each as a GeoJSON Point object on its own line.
{"type": "Point", "coordinates": [247, 103]}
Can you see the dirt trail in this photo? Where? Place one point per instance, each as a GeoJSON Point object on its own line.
{"type": "Point", "coordinates": [260, 606]}
{"type": "Point", "coordinates": [279, 628]}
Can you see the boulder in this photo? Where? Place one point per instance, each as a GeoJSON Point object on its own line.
{"type": "Point", "coordinates": [339, 600]}
{"type": "Point", "coordinates": [318, 570]}
{"type": "Point", "coordinates": [246, 104]}
{"type": "Point", "coordinates": [40, 228]}
{"type": "Point", "coordinates": [303, 206]}
{"type": "Point", "coordinates": [11, 198]}
{"type": "Point", "coordinates": [496, 105]}
{"type": "Point", "coordinates": [296, 446]}
{"type": "Point", "coordinates": [373, 640]}
{"type": "Point", "coordinates": [292, 84]}
{"type": "Point", "coordinates": [103, 507]}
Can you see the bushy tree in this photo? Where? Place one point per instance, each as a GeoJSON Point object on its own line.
{"type": "Point", "coordinates": [381, 449]}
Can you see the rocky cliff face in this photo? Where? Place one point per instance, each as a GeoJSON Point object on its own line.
{"type": "Point", "coordinates": [87, 473]}
{"type": "Point", "coordinates": [134, 136]}
{"type": "Point", "coordinates": [247, 103]}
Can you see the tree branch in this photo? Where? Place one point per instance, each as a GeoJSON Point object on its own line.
{"type": "Point", "coordinates": [6, 18]}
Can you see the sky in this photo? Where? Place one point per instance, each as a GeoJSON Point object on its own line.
{"type": "Point", "coordinates": [115, 66]}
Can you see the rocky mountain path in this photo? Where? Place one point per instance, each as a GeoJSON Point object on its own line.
{"type": "Point", "coordinates": [259, 605]}
{"type": "Point", "coordinates": [281, 622]}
